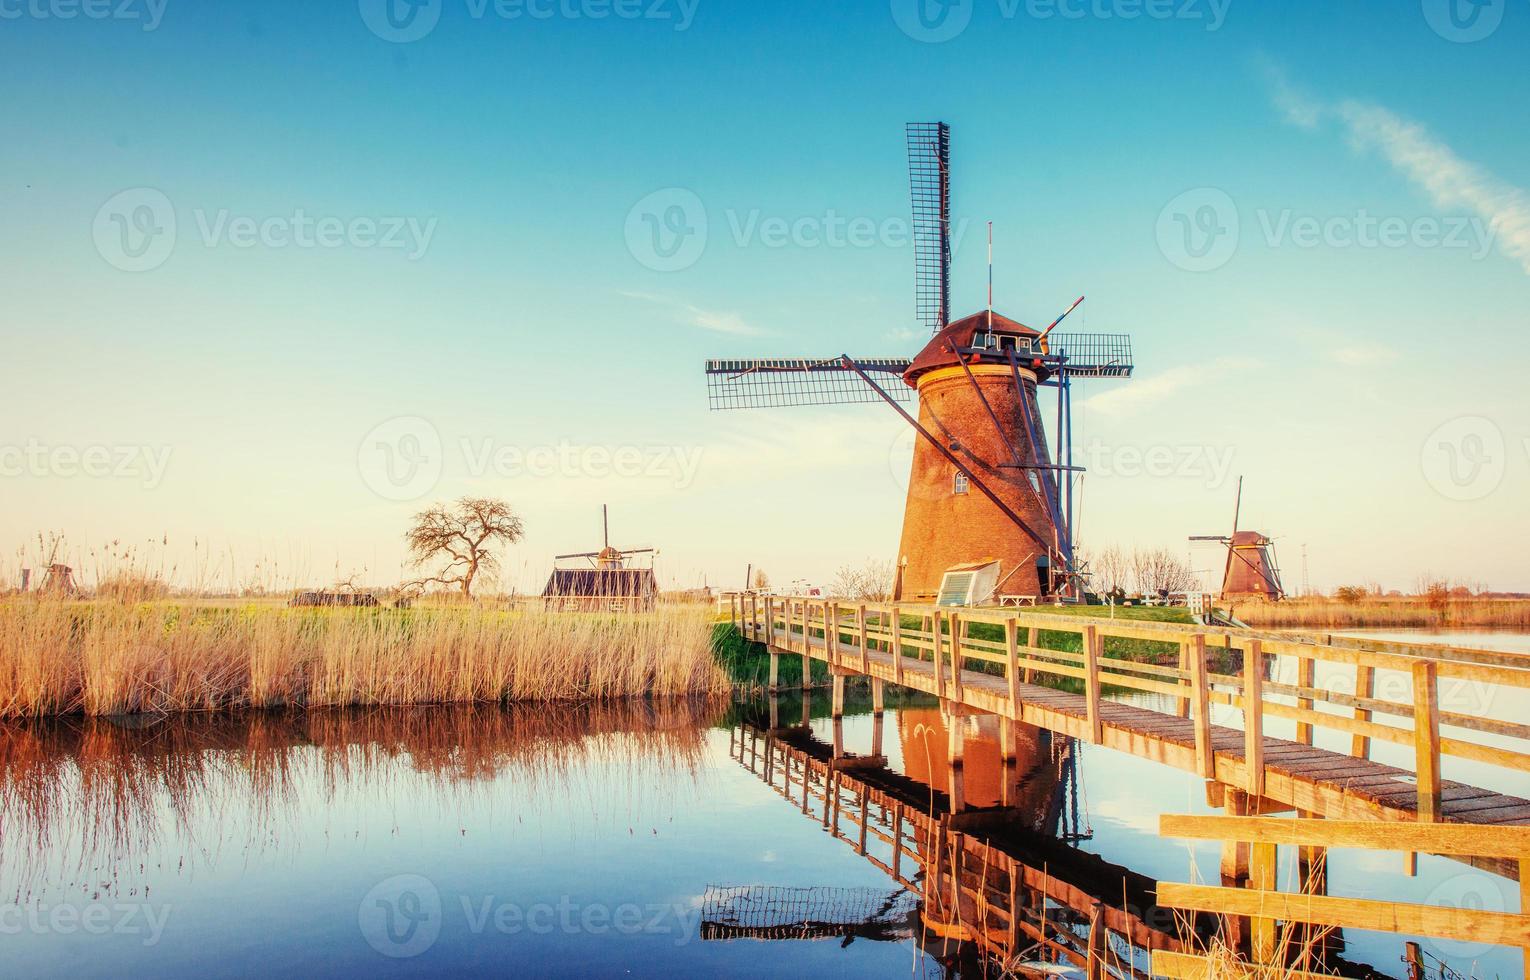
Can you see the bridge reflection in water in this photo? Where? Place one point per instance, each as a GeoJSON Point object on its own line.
{"type": "Point", "coordinates": [975, 829]}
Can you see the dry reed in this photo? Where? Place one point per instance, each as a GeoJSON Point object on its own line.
{"type": "Point", "coordinates": [1388, 613]}
{"type": "Point", "coordinates": [108, 658]}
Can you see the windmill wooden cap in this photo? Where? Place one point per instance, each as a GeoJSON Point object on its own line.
{"type": "Point", "coordinates": [938, 353]}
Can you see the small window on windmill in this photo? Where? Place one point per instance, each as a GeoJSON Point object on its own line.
{"type": "Point", "coordinates": [959, 483]}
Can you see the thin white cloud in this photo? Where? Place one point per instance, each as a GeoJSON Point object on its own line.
{"type": "Point", "coordinates": [1362, 355]}
{"type": "Point", "coordinates": [1144, 393]}
{"type": "Point", "coordinates": [715, 321]}
{"type": "Point", "coordinates": [1449, 180]}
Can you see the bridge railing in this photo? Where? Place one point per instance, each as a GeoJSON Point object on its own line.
{"type": "Point", "coordinates": [1427, 688]}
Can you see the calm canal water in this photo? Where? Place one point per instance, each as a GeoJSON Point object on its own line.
{"type": "Point", "coordinates": [634, 840]}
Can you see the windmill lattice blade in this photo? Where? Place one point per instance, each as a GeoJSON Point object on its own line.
{"type": "Point", "coordinates": [1093, 355]}
{"type": "Point", "coordinates": [789, 381]}
{"type": "Point", "coordinates": [929, 178]}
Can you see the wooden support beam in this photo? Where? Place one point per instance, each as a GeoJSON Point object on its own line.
{"type": "Point", "coordinates": [1182, 706]}
{"type": "Point", "coordinates": [1253, 717]}
{"type": "Point", "coordinates": [1462, 925]}
{"type": "Point", "coordinates": [897, 645]}
{"type": "Point", "coordinates": [1188, 966]}
{"type": "Point", "coordinates": [1032, 640]}
{"type": "Point", "coordinates": [1451, 839]}
{"type": "Point", "coordinates": [1200, 694]}
{"type": "Point", "coordinates": [1092, 645]}
{"type": "Point", "coordinates": [838, 709]}
{"type": "Point", "coordinates": [1262, 930]}
{"type": "Point", "coordinates": [1426, 738]}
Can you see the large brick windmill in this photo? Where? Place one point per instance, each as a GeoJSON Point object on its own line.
{"type": "Point", "coordinates": [989, 513]}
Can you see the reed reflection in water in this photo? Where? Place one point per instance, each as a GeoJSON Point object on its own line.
{"type": "Point", "coordinates": [100, 805]}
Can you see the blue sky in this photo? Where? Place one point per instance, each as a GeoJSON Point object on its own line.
{"type": "Point", "coordinates": [486, 187]}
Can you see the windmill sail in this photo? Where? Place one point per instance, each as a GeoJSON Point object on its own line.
{"type": "Point", "coordinates": [929, 177]}
{"type": "Point", "coordinates": [782, 382]}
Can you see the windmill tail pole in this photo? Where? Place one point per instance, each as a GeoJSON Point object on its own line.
{"type": "Point", "coordinates": [1060, 319]}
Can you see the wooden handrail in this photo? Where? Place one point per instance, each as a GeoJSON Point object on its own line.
{"type": "Point", "coordinates": [943, 635]}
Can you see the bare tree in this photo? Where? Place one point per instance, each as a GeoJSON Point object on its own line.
{"type": "Point", "coordinates": [461, 535]}
{"type": "Point", "coordinates": [1108, 571]}
{"type": "Point", "coordinates": [761, 580]}
{"type": "Point", "coordinates": [869, 582]}
{"type": "Point", "coordinates": [1159, 570]}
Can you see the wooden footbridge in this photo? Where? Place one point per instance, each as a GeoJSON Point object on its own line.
{"type": "Point", "coordinates": [992, 661]}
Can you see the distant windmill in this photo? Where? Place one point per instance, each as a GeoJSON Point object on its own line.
{"type": "Point", "coordinates": [1251, 571]}
{"type": "Point", "coordinates": [609, 582]}
{"type": "Point", "coordinates": [989, 513]}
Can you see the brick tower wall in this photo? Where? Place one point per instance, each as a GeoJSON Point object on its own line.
{"type": "Point", "coordinates": [942, 528]}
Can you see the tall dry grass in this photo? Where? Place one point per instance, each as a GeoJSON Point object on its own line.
{"type": "Point", "coordinates": [1408, 612]}
{"type": "Point", "coordinates": [109, 658]}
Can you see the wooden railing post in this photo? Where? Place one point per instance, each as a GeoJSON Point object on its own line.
{"type": "Point", "coordinates": [1011, 669]}
{"type": "Point", "coordinates": [1182, 705]}
{"type": "Point", "coordinates": [1200, 694]}
{"type": "Point", "coordinates": [860, 622]}
{"type": "Point", "coordinates": [1032, 640]}
{"type": "Point", "coordinates": [1365, 687]}
{"type": "Point", "coordinates": [1306, 677]}
{"type": "Point", "coordinates": [1092, 645]}
{"type": "Point", "coordinates": [897, 645]}
{"type": "Point", "coordinates": [956, 654]}
{"type": "Point", "coordinates": [1426, 738]}
{"type": "Point", "coordinates": [1261, 876]}
{"type": "Point", "coordinates": [1253, 717]}
{"type": "Point", "coordinates": [733, 609]}
{"type": "Point", "coordinates": [940, 671]}
{"type": "Point", "coordinates": [831, 632]}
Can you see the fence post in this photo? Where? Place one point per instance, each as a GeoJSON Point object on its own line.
{"type": "Point", "coordinates": [1426, 738]}
{"type": "Point", "coordinates": [940, 672]}
{"type": "Point", "coordinates": [733, 609]}
{"type": "Point", "coordinates": [831, 631]}
{"type": "Point", "coordinates": [1365, 687]}
{"type": "Point", "coordinates": [1253, 717]}
{"type": "Point", "coordinates": [860, 619]}
{"type": "Point", "coordinates": [1092, 645]}
{"type": "Point", "coordinates": [956, 654]}
{"type": "Point", "coordinates": [1205, 760]}
{"type": "Point", "coordinates": [1032, 640]}
{"type": "Point", "coordinates": [1262, 932]}
{"type": "Point", "coordinates": [897, 646]}
{"type": "Point", "coordinates": [1306, 677]}
{"type": "Point", "coordinates": [1011, 669]}
{"type": "Point", "coordinates": [1182, 705]}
